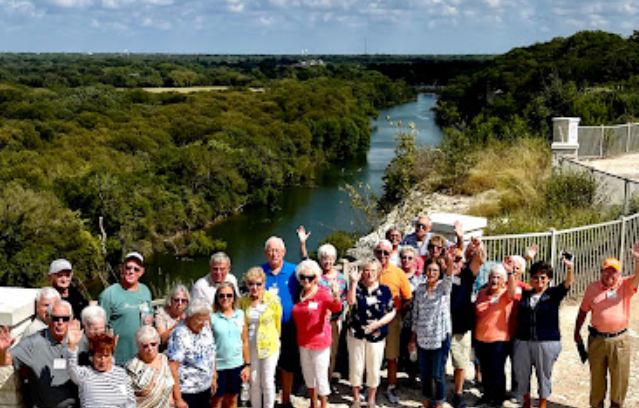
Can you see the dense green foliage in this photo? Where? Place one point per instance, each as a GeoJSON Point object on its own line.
{"type": "Point", "coordinates": [158, 167]}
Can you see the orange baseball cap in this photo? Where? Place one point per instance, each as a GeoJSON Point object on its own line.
{"type": "Point", "coordinates": [612, 263]}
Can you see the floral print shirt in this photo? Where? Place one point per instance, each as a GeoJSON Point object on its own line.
{"type": "Point", "coordinates": [325, 281]}
{"type": "Point", "coordinates": [370, 304]}
{"type": "Point", "coordinates": [196, 353]}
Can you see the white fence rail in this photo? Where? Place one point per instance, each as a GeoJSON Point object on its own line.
{"type": "Point", "coordinates": [591, 245]}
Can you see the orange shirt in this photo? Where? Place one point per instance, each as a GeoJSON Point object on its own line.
{"type": "Point", "coordinates": [610, 307]}
{"type": "Point", "coordinates": [397, 282]}
{"type": "Point", "coordinates": [493, 316]}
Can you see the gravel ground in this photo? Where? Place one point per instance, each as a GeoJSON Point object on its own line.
{"type": "Point", "coordinates": [625, 166]}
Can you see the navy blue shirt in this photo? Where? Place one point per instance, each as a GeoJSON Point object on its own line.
{"type": "Point", "coordinates": [367, 308]}
{"type": "Point", "coordinates": [284, 285]}
{"type": "Point", "coordinates": [540, 323]}
{"type": "Point", "coordinates": [462, 309]}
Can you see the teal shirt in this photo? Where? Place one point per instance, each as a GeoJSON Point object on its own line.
{"type": "Point", "coordinates": [228, 339]}
{"type": "Point", "coordinates": [124, 311]}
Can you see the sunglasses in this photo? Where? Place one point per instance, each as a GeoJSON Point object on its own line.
{"type": "Point", "coordinates": [435, 247]}
{"type": "Point", "coordinates": [132, 268]}
{"type": "Point", "coordinates": [177, 300]}
{"type": "Point", "coordinates": [225, 295]}
{"type": "Point", "coordinates": [307, 277]}
{"type": "Point", "coordinates": [254, 284]}
{"type": "Point", "coordinates": [422, 226]}
{"type": "Point", "coordinates": [62, 319]}
{"type": "Point", "coordinates": [459, 259]}
{"type": "Point", "coordinates": [150, 345]}
{"type": "Point", "coordinates": [404, 258]}
{"type": "Point", "coordinates": [382, 252]}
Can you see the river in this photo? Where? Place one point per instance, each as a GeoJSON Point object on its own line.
{"type": "Point", "coordinates": [322, 209]}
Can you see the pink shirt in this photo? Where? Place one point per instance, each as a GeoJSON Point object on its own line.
{"type": "Point", "coordinates": [312, 318]}
{"type": "Point", "coordinates": [493, 315]}
{"type": "Point", "coordinates": [610, 307]}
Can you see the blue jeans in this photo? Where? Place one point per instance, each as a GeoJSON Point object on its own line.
{"type": "Point", "coordinates": [492, 357]}
{"type": "Point", "coordinates": [432, 366]}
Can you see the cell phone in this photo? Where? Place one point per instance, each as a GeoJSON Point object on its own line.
{"type": "Point", "coordinates": [567, 256]}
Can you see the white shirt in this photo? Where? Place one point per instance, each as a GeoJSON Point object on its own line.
{"type": "Point", "coordinates": [205, 289]}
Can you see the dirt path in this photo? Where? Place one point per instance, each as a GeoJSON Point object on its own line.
{"type": "Point", "coordinates": [625, 166]}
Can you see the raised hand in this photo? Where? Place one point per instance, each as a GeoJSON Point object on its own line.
{"type": "Point", "coordinates": [451, 254]}
{"type": "Point", "coordinates": [459, 229]}
{"type": "Point", "coordinates": [5, 338]}
{"type": "Point", "coordinates": [356, 275]}
{"type": "Point", "coordinates": [302, 234]}
{"type": "Point", "coordinates": [508, 264]}
{"type": "Point", "coordinates": [635, 252]}
{"type": "Point", "coordinates": [74, 335]}
{"type": "Point", "coordinates": [531, 251]}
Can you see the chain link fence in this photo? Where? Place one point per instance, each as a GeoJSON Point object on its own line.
{"type": "Point", "coordinates": [606, 141]}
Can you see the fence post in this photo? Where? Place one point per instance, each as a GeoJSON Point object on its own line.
{"type": "Point", "coordinates": [626, 195]}
{"type": "Point", "coordinates": [628, 139]}
{"type": "Point", "coordinates": [601, 141]}
{"type": "Point", "coordinates": [622, 240]}
{"type": "Point", "coordinates": [553, 246]}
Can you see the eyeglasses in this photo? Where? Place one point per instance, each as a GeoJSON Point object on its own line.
{"type": "Point", "coordinates": [225, 295]}
{"type": "Point", "coordinates": [62, 319]}
{"type": "Point", "coordinates": [432, 270]}
{"type": "Point", "coordinates": [132, 268]}
{"type": "Point", "coordinates": [382, 252]}
{"type": "Point", "coordinates": [178, 300]}
{"type": "Point", "coordinates": [431, 246]}
{"type": "Point", "coordinates": [459, 259]}
{"type": "Point", "coordinates": [150, 345]}
{"type": "Point", "coordinates": [405, 258]}
{"type": "Point", "coordinates": [309, 278]}
{"type": "Point", "coordinates": [254, 284]}
{"type": "Point", "coordinates": [422, 226]}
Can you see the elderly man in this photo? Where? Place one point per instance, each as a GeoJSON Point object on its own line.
{"type": "Point", "coordinates": [61, 275]}
{"type": "Point", "coordinates": [609, 346]}
{"type": "Point", "coordinates": [281, 281]}
{"type": "Point", "coordinates": [45, 298]}
{"type": "Point", "coordinates": [398, 283]}
{"type": "Point", "coordinates": [205, 287]}
{"type": "Point", "coordinates": [42, 356]}
{"type": "Point", "coordinates": [128, 306]}
{"type": "Point", "coordinates": [422, 235]}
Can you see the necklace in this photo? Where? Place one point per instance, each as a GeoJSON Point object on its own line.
{"type": "Point", "coordinates": [310, 294]}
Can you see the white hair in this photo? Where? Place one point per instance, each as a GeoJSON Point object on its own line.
{"type": "Point", "coordinates": [408, 248]}
{"type": "Point", "coordinates": [498, 269]}
{"type": "Point", "coordinates": [198, 306]}
{"type": "Point", "coordinates": [47, 293]}
{"type": "Point", "coordinates": [219, 257]}
{"type": "Point", "coordinates": [327, 250]}
{"type": "Point", "coordinates": [59, 303]}
{"type": "Point", "coordinates": [520, 260]}
{"type": "Point", "coordinates": [308, 265]}
{"type": "Point", "coordinates": [92, 314]}
{"type": "Point", "coordinates": [146, 332]}
{"type": "Point", "coordinates": [179, 288]}
{"type": "Point", "coordinates": [384, 242]}
{"type": "Point", "coordinates": [416, 219]}
{"type": "Point", "coordinates": [274, 240]}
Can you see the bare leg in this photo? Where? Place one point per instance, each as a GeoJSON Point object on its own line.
{"type": "Point", "coordinates": [460, 376]}
{"type": "Point", "coordinates": [356, 394]}
{"type": "Point", "coordinates": [323, 401]}
{"type": "Point", "coordinates": [543, 402]}
{"type": "Point", "coordinates": [229, 401]}
{"type": "Point", "coordinates": [216, 402]}
{"type": "Point", "coordinates": [312, 394]}
{"type": "Point", "coordinates": [287, 386]}
{"type": "Point", "coordinates": [392, 371]}
{"type": "Point", "coordinates": [528, 402]}
{"type": "Point", "coordinates": [371, 396]}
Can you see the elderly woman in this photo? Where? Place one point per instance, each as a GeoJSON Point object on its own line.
{"type": "Point", "coordinates": [409, 257]}
{"type": "Point", "coordinates": [537, 339]}
{"type": "Point", "coordinates": [150, 372]}
{"type": "Point", "coordinates": [372, 308]}
{"type": "Point", "coordinates": [492, 335]}
{"type": "Point", "coordinates": [314, 330]}
{"type": "Point", "coordinates": [93, 320]}
{"type": "Point", "coordinates": [231, 343]}
{"type": "Point", "coordinates": [191, 353]}
{"type": "Point", "coordinates": [263, 313]}
{"type": "Point", "coordinates": [103, 384]}
{"type": "Point", "coordinates": [432, 328]}
{"type": "Point", "coordinates": [167, 317]}
{"type": "Point", "coordinates": [394, 236]}
{"type": "Point", "coordinates": [437, 248]}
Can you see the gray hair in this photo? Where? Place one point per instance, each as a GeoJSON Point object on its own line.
{"type": "Point", "coordinates": [520, 260]}
{"type": "Point", "coordinates": [310, 266]}
{"type": "Point", "coordinates": [384, 242]}
{"type": "Point", "coordinates": [416, 219]}
{"type": "Point", "coordinates": [146, 332]}
{"type": "Point", "coordinates": [174, 291]}
{"type": "Point", "coordinates": [274, 240]}
{"type": "Point", "coordinates": [219, 257]}
{"type": "Point", "coordinates": [327, 250]}
{"type": "Point", "coordinates": [198, 306]}
{"type": "Point", "coordinates": [91, 314]}
{"type": "Point", "coordinates": [47, 293]}
{"type": "Point", "coordinates": [408, 248]}
{"type": "Point", "coordinates": [498, 269]}
{"type": "Point", "coordinates": [59, 303]}
{"type": "Point", "coordinates": [372, 262]}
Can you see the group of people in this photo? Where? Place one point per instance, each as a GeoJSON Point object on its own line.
{"type": "Point", "coordinates": [410, 306]}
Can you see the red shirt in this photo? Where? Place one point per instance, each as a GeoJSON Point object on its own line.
{"type": "Point", "coordinates": [521, 286]}
{"type": "Point", "coordinates": [492, 317]}
{"type": "Point", "coordinates": [312, 319]}
{"type": "Point", "coordinates": [610, 307]}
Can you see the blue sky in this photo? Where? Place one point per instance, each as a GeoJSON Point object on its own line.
{"type": "Point", "coordinates": [290, 26]}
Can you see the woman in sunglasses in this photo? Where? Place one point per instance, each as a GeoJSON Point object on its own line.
{"type": "Point", "coordinates": [149, 371]}
{"type": "Point", "coordinates": [263, 313]}
{"type": "Point", "coordinates": [167, 317]}
{"type": "Point", "coordinates": [231, 343]}
{"type": "Point", "coordinates": [314, 336]}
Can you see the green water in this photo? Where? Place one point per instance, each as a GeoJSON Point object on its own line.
{"type": "Point", "coordinates": [322, 209]}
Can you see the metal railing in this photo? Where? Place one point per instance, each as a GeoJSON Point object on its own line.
{"type": "Point", "coordinates": [591, 245]}
{"type": "Point", "coordinates": [606, 141]}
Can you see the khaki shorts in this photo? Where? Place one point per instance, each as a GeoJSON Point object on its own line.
{"type": "Point", "coordinates": [460, 350]}
{"type": "Point", "coordinates": [392, 341]}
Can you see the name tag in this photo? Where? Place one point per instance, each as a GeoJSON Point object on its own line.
{"type": "Point", "coordinates": [122, 389]}
{"type": "Point", "coordinates": [59, 364]}
{"type": "Point", "coordinates": [239, 323]}
{"type": "Point", "coordinates": [371, 300]}
{"type": "Point", "coordinates": [494, 301]}
{"type": "Point", "coordinates": [144, 308]}
{"type": "Point", "coordinates": [312, 305]}
{"type": "Point", "coordinates": [456, 280]}
{"type": "Point", "coordinates": [611, 294]}
{"type": "Point", "coordinates": [261, 308]}
{"type": "Point", "coordinates": [518, 290]}
{"type": "Point", "coordinates": [274, 290]}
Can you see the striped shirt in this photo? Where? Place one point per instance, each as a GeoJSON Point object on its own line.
{"type": "Point", "coordinates": [97, 389]}
{"type": "Point", "coordinates": [431, 314]}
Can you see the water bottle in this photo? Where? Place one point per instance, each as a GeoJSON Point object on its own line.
{"type": "Point", "coordinates": [245, 394]}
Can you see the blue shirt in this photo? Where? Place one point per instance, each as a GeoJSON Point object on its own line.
{"type": "Point", "coordinates": [228, 339]}
{"type": "Point", "coordinates": [284, 285]}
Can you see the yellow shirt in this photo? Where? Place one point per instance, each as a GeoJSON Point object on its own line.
{"type": "Point", "coordinates": [269, 328]}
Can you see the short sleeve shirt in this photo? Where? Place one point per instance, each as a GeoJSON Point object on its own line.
{"type": "Point", "coordinates": [610, 307]}
{"type": "Point", "coordinates": [228, 339]}
{"type": "Point", "coordinates": [325, 281]}
{"type": "Point", "coordinates": [370, 305]}
{"type": "Point", "coordinates": [45, 359]}
{"type": "Point", "coordinates": [313, 329]}
{"type": "Point", "coordinates": [196, 353]}
{"type": "Point", "coordinates": [492, 317]}
{"type": "Point", "coordinates": [397, 282]}
{"type": "Point", "coordinates": [284, 285]}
